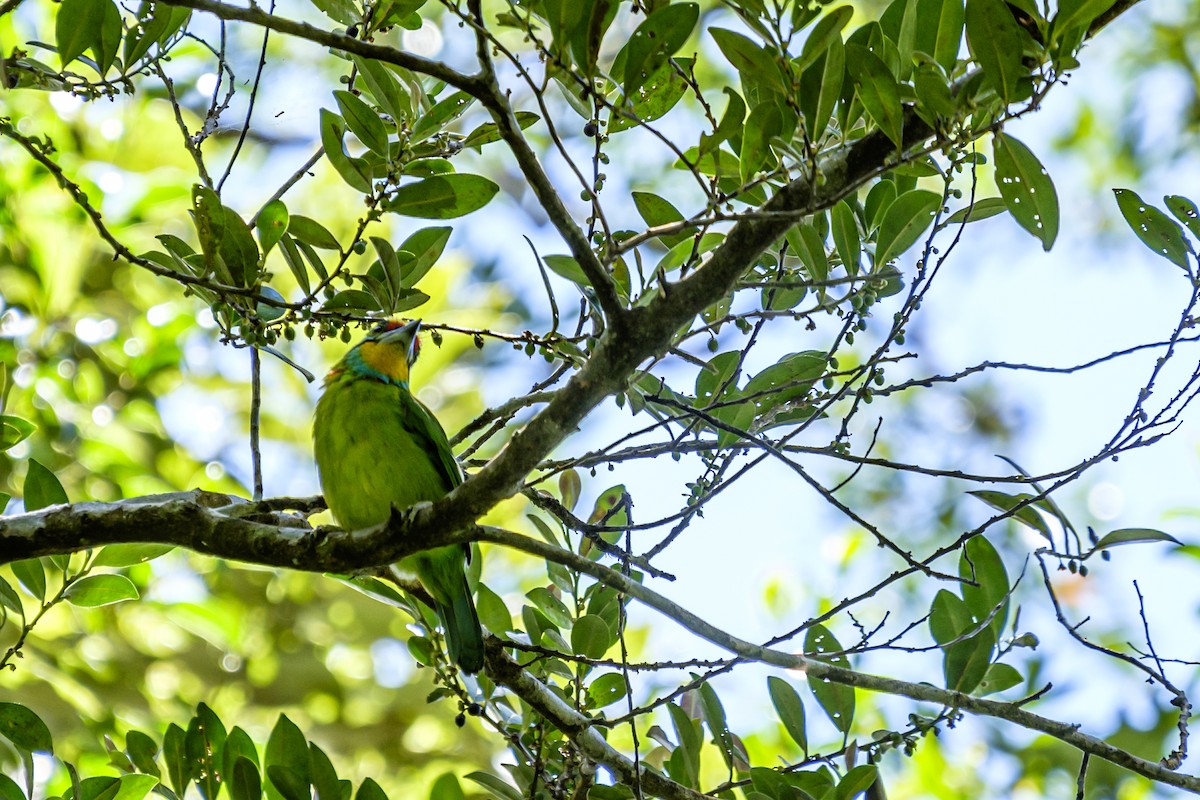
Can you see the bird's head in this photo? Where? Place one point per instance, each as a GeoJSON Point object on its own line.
{"type": "Point", "coordinates": [386, 353]}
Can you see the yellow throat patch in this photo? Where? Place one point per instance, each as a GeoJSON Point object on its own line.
{"type": "Point", "coordinates": [386, 359]}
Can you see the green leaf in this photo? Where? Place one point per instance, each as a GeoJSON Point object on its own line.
{"type": "Point", "coordinates": [1026, 188]}
{"type": "Point", "coordinates": [229, 248]}
{"type": "Point", "coordinates": [856, 781]}
{"type": "Point", "coordinates": [489, 132]}
{"type": "Point", "coordinates": [567, 267]}
{"type": "Point", "coordinates": [238, 746]}
{"type": "Point", "coordinates": [1157, 231]}
{"type": "Point", "coordinates": [898, 25]}
{"type": "Point", "coordinates": [363, 121]}
{"type": "Point", "coordinates": [980, 209]}
{"type": "Point", "coordinates": [755, 64]}
{"type": "Point", "coordinates": [208, 215]}
{"type": "Point", "coordinates": [426, 247]}
{"type": "Point", "coordinates": [730, 126]}
{"type": "Point", "coordinates": [370, 790]}
{"type": "Point", "coordinates": [10, 599]}
{"type": "Point", "coordinates": [309, 231]}
{"type": "Point", "coordinates": [100, 590]}
{"type": "Point", "coordinates": [684, 764]}
{"type": "Point", "coordinates": [845, 236]}
{"type": "Point", "coordinates": [287, 784]}
{"type": "Point", "coordinates": [806, 243]}
{"type": "Point", "coordinates": [550, 605]}
{"type": "Point", "coordinates": [287, 753]}
{"type": "Point", "coordinates": [150, 31]}
{"type": "Point", "coordinates": [981, 563]}
{"type": "Point", "coordinates": [1076, 14]}
{"type": "Point", "coordinates": [25, 729]}
{"type": "Point", "coordinates": [997, 43]}
{"type": "Point", "coordinates": [658, 38]}
{"type": "Point", "coordinates": [323, 775]}
{"type": "Point", "coordinates": [563, 18]}
{"type": "Point", "coordinates": [904, 222]}
{"type": "Point", "coordinates": [879, 198]}
{"type": "Point", "coordinates": [342, 11]}
{"type": "Point", "coordinates": [1185, 211]}
{"type": "Point", "coordinates": [354, 171]}
{"type": "Point", "coordinates": [790, 709]}
{"type": "Point", "coordinates": [606, 690]}
{"type": "Point", "coordinates": [877, 90]}
{"type": "Point", "coordinates": [502, 790]}
{"type": "Point", "coordinates": [441, 196]}
{"type": "Point", "coordinates": [1006, 502]}
{"type": "Point", "coordinates": [1133, 536]}
{"type": "Point", "coordinates": [835, 699]}
{"type": "Point", "coordinates": [658, 211]}
{"type": "Point", "coordinates": [179, 768]}
{"type": "Point", "coordinates": [14, 430]}
{"type": "Point", "coordinates": [134, 787]}
{"type": "Point", "coordinates": [109, 42]}
{"type": "Point", "coordinates": [384, 88]}
{"type": "Point", "coordinates": [10, 790]}
{"type": "Point", "coordinates": [787, 380]}
{"type": "Point", "coordinates": [142, 752]}
{"type": "Point", "coordinates": [964, 663]}
{"type": "Point", "coordinates": [998, 678]}
{"type": "Point", "coordinates": [440, 116]}
{"type": "Point", "coordinates": [446, 787]}
{"type": "Point", "coordinates": [493, 613]}
{"type": "Point", "coordinates": [828, 28]}
{"type": "Point", "coordinates": [351, 300]}
{"type": "Point", "coordinates": [295, 262]}
{"type": "Point", "coordinates": [714, 715]}
{"type": "Point", "coordinates": [718, 380]}
{"type": "Point", "coordinates": [30, 574]}
{"type": "Point", "coordinates": [570, 485]}
{"type": "Point", "coordinates": [949, 27]}
{"type": "Point", "coordinates": [591, 637]}
{"type": "Point", "coordinates": [821, 87]}
{"type": "Point", "coordinates": [244, 780]}
{"type": "Point", "coordinates": [126, 555]}
{"type": "Point", "coordinates": [78, 27]}
{"type": "Point", "coordinates": [41, 488]}
{"type": "Point", "coordinates": [238, 249]}
{"type": "Point", "coordinates": [271, 224]}
{"type": "Point", "coordinates": [764, 123]}
{"type": "Point", "coordinates": [934, 93]}
{"type": "Point", "coordinates": [657, 95]}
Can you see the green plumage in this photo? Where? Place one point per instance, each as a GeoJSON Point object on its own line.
{"type": "Point", "coordinates": [377, 447]}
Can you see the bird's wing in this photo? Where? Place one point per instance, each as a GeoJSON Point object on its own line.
{"type": "Point", "coordinates": [424, 427]}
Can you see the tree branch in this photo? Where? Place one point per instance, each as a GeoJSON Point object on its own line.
{"type": "Point", "coordinates": [227, 527]}
{"type": "Point", "coordinates": [338, 41]}
{"type": "Point", "coordinates": [578, 728]}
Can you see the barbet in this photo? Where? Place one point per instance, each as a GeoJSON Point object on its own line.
{"type": "Point", "coordinates": [378, 448]}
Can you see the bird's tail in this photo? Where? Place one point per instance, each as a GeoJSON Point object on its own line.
{"type": "Point", "coordinates": [443, 573]}
{"type": "Point", "coordinates": [464, 636]}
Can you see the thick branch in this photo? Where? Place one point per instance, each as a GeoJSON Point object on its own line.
{"type": "Point", "coordinates": [337, 41]}
{"type": "Point", "coordinates": [207, 522]}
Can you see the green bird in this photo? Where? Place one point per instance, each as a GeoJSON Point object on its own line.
{"type": "Point", "coordinates": [377, 449]}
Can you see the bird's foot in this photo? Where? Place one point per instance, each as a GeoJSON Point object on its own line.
{"type": "Point", "coordinates": [404, 516]}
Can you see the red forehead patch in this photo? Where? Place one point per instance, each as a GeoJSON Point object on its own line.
{"type": "Point", "coordinates": [391, 325]}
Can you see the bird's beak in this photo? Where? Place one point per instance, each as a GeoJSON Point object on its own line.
{"type": "Point", "coordinates": [412, 329]}
{"type": "Point", "coordinates": [406, 334]}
